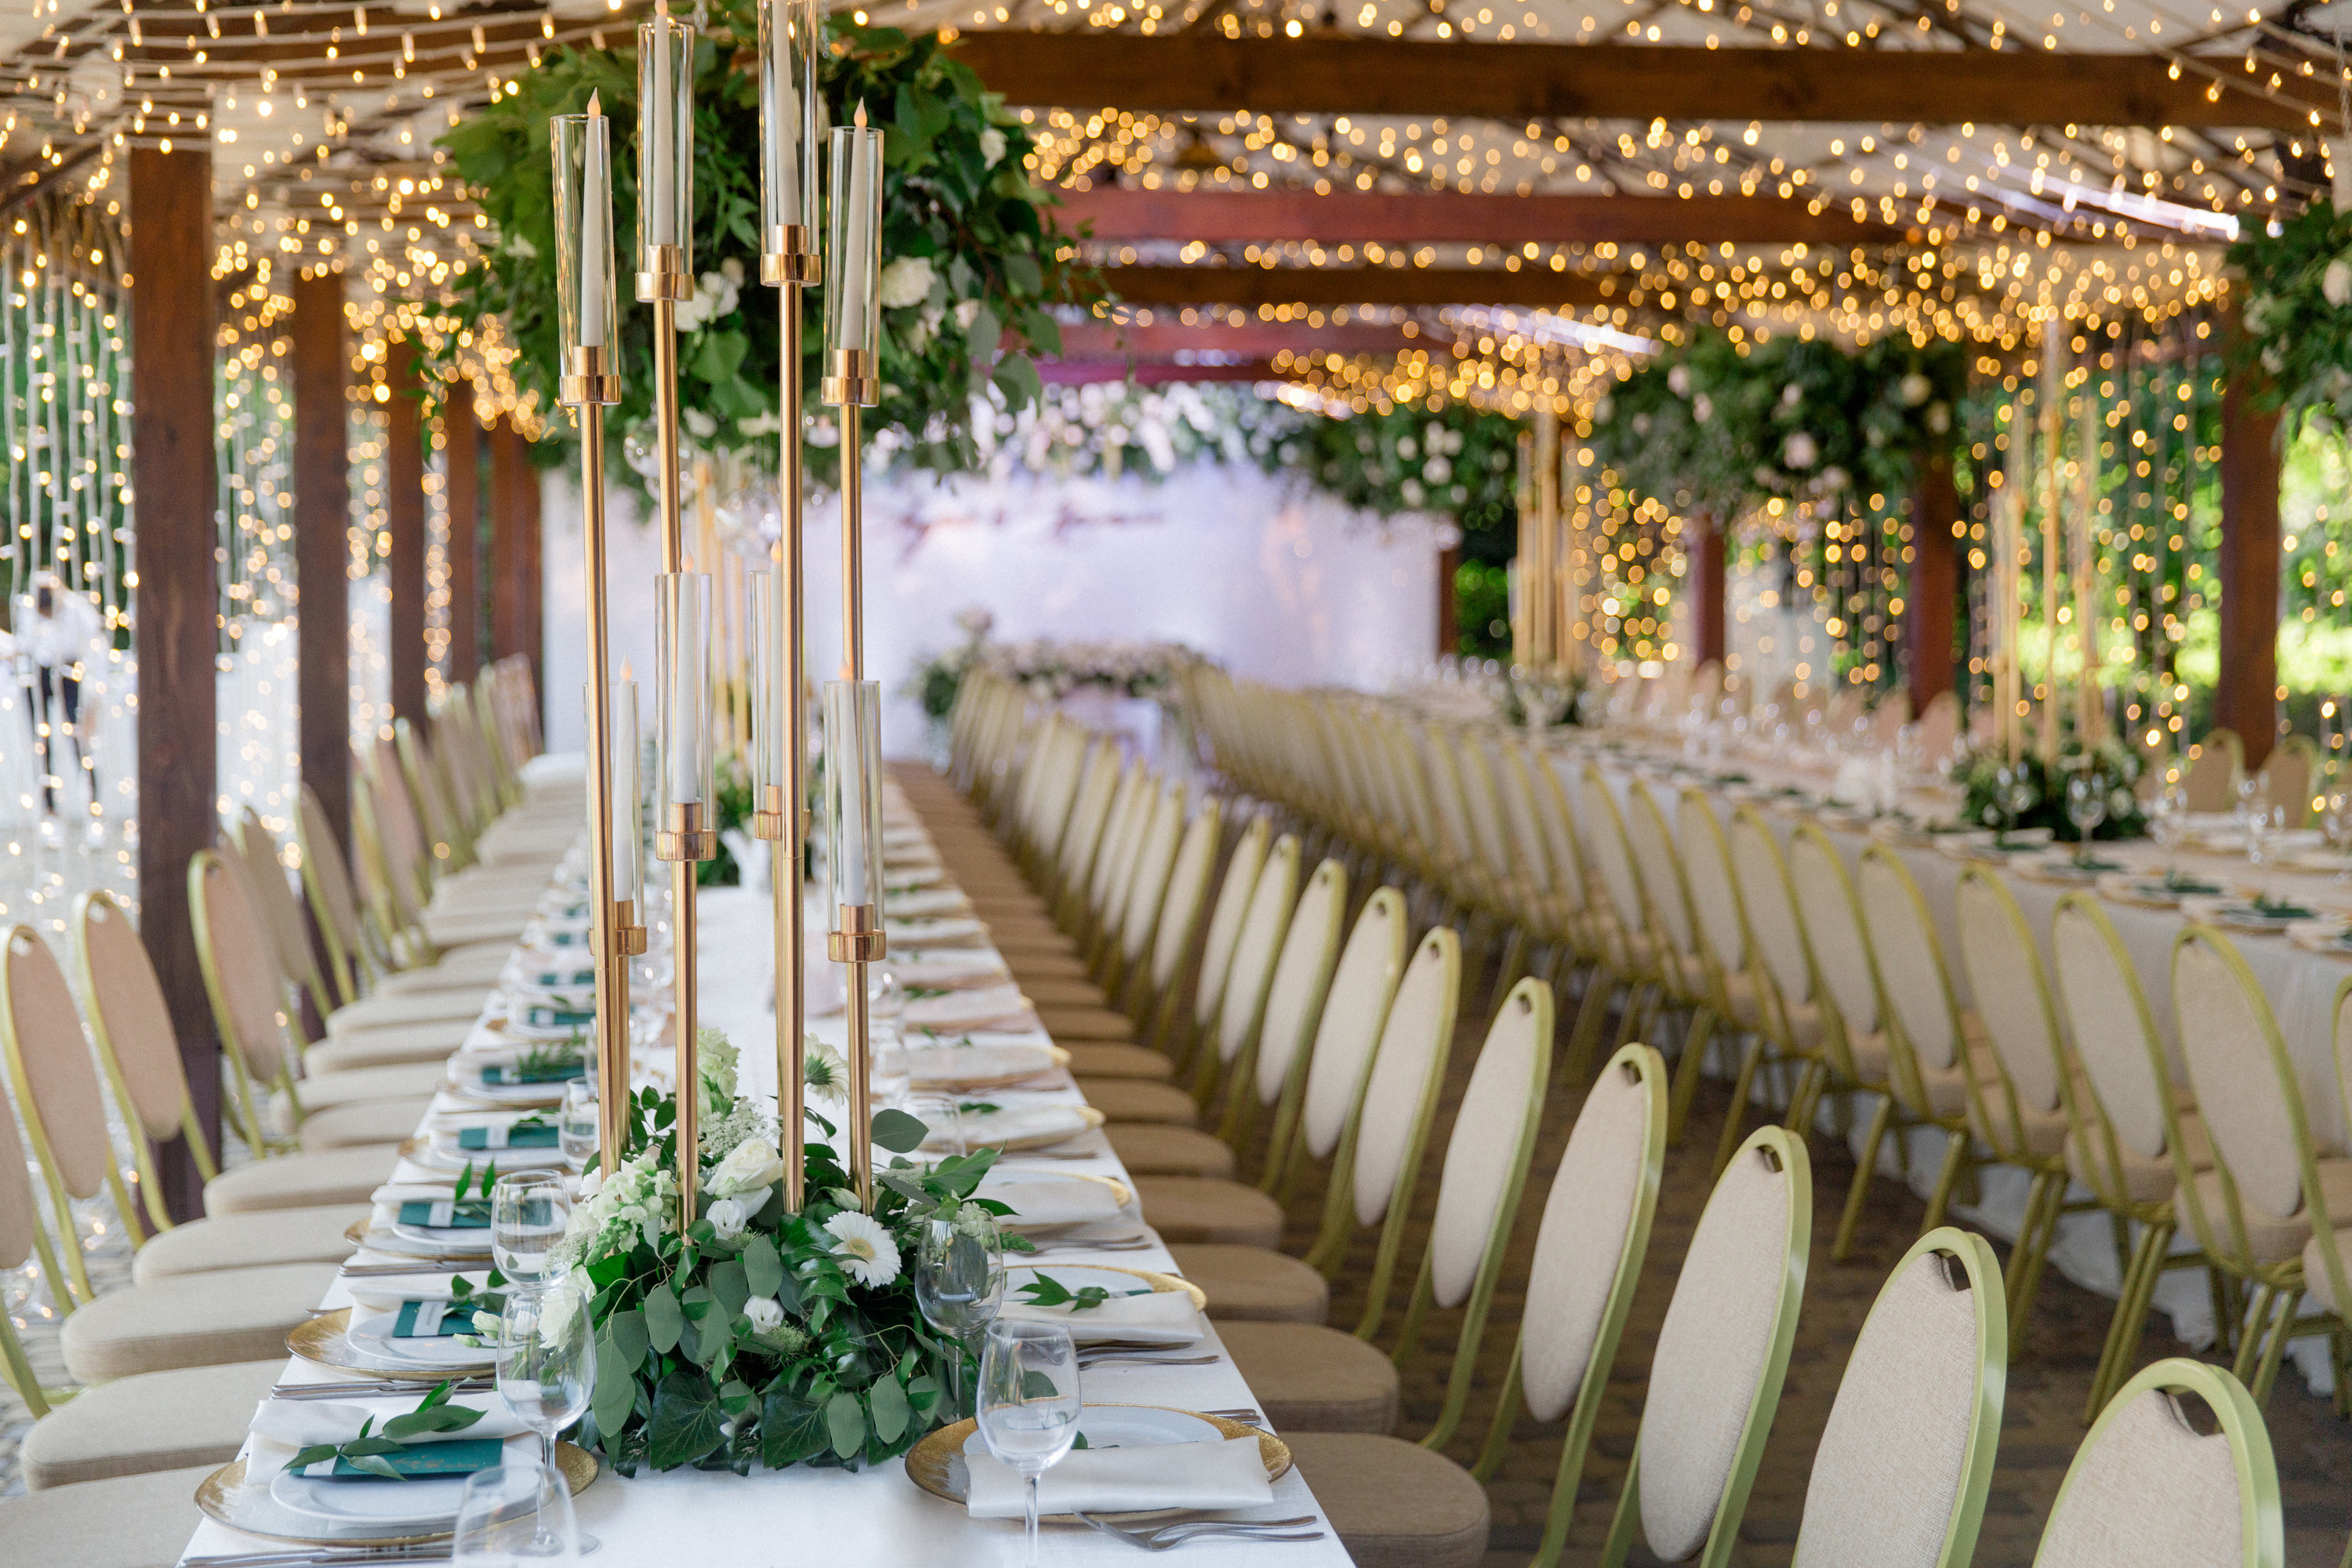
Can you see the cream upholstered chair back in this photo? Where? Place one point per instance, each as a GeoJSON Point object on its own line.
{"type": "Point", "coordinates": [264, 874]}
{"type": "Point", "coordinates": [1355, 1011]}
{"type": "Point", "coordinates": [2150, 1485]}
{"type": "Point", "coordinates": [1549, 794]}
{"type": "Point", "coordinates": [1918, 987]}
{"type": "Point", "coordinates": [1188, 892]}
{"type": "Point", "coordinates": [1302, 976]}
{"type": "Point", "coordinates": [20, 1215]}
{"type": "Point", "coordinates": [1907, 1456]}
{"type": "Point", "coordinates": [1831, 930]}
{"type": "Point", "coordinates": [1149, 809]}
{"type": "Point", "coordinates": [50, 1065]}
{"type": "Point", "coordinates": [2004, 971]}
{"type": "Point", "coordinates": [1435, 749]}
{"type": "Point", "coordinates": [1263, 924]}
{"type": "Point", "coordinates": [2114, 1034]}
{"type": "Point", "coordinates": [1532, 850]}
{"type": "Point", "coordinates": [1132, 798]}
{"type": "Point", "coordinates": [2287, 780]}
{"type": "Point", "coordinates": [2211, 780]}
{"type": "Point", "coordinates": [1764, 894]}
{"type": "Point", "coordinates": [1707, 870]}
{"type": "Point", "coordinates": [335, 903]}
{"type": "Point", "coordinates": [1154, 863]}
{"type": "Point", "coordinates": [124, 1004]}
{"type": "Point", "coordinates": [1401, 1093]}
{"type": "Point", "coordinates": [248, 1003]}
{"type": "Point", "coordinates": [1661, 870]}
{"type": "Point", "coordinates": [1845, 706]}
{"type": "Point", "coordinates": [412, 764]}
{"type": "Point", "coordinates": [1603, 828]}
{"type": "Point", "coordinates": [2237, 1063]}
{"type": "Point", "coordinates": [1243, 868]}
{"type": "Point", "coordinates": [381, 810]}
{"type": "Point", "coordinates": [1478, 1185]}
{"type": "Point", "coordinates": [1721, 1356]}
{"type": "Point", "coordinates": [1098, 787]}
{"type": "Point", "coordinates": [1477, 777]}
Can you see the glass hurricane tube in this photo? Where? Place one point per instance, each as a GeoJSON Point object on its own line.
{"type": "Point", "coordinates": [791, 123]}
{"type": "Point", "coordinates": [665, 137]}
{"type": "Point", "coordinates": [853, 310]}
{"type": "Point", "coordinates": [587, 306]}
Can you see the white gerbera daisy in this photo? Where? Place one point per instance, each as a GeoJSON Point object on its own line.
{"type": "Point", "coordinates": [863, 1244]}
{"type": "Point", "coordinates": [824, 1072]}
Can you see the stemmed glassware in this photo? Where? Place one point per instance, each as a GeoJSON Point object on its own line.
{"type": "Point", "coordinates": [960, 1284]}
{"type": "Point", "coordinates": [1029, 1402]}
{"type": "Point", "coordinates": [2086, 808]}
{"type": "Point", "coordinates": [529, 1212]}
{"type": "Point", "coordinates": [2015, 794]}
{"type": "Point", "coordinates": [547, 1367]}
{"type": "Point", "coordinates": [2336, 826]}
{"type": "Point", "coordinates": [515, 1513]}
{"type": "Point", "coordinates": [943, 1115]}
{"type": "Point", "coordinates": [576, 1133]}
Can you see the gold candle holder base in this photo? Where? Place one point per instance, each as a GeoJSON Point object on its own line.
{"type": "Point", "coordinates": [768, 819]}
{"type": "Point", "coordinates": [588, 377]}
{"type": "Point", "coordinates": [791, 258]}
{"type": "Point", "coordinates": [663, 275]}
{"type": "Point", "coordinates": [685, 835]}
{"type": "Point", "coordinates": [855, 378]}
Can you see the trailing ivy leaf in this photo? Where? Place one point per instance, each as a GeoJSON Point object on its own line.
{"type": "Point", "coordinates": [897, 1131]}
{"type": "Point", "coordinates": [890, 1410]}
{"type": "Point", "coordinates": [845, 1423]}
{"type": "Point", "coordinates": [791, 1428]}
{"type": "Point", "coordinates": [686, 1421]}
{"type": "Point", "coordinates": [664, 1320]}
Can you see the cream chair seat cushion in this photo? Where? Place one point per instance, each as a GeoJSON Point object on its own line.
{"type": "Point", "coordinates": [1045, 966]}
{"type": "Point", "coordinates": [191, 1319]}
{"type": "Point", "coordinates": [1155, 1148]}
{"type": "Point", "coordinates": [406, 1080]}
{"type": "Point", "coordinates": [2269, 1239]}
{"type": "Point", "coordinates": [397, 1011]}
{"type": "Point", "coordinates": [361, 1122]}
{"type": "Point", "coordinates": [1094, 1058]}
{"type": "Point", "coordinates": [1253, 1284]}
{"type": "Point", "coordinates": [134, 1521]}
{"type": "Point", "coordinates": [461, 930]}
{"type": "Point", "coordinates": [155, 1421]}
{"type": "Point", "coordinates": [302, 1181]}
{"type": "Point", "coordinates": [2145, 1179]}
{"type": "Point", "coordinates": [1078, 994]}
{"type": "Point", "coordinates": [1393, 1503]}
{"type": "Point", "coordinates": [1069, 1024]}
{"type": "Point", "coordinates": [386, 1048]}
{"type": "Point", "coordinates": [1310, 1378]}
{"type": "Point", "coordinates": [245, 1240]}
{"type": "Point", "coordinates": [476, 967]}
{"type": "Point", "coordinates": [2032, 1131]}
{"type": "Point", "coordinates": [1139, 1099]}
{"type": "Point", "coordinates": [1204, 1208]}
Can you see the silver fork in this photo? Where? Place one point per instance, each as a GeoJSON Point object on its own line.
{"type": "Point", "coordinates": [1131, 1358]}
{"type": "Point", "coordinates": [1168, 1537]}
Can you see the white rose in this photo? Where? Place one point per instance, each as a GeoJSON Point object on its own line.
{"type": "Point", "coordinates": [906, 281]}
{"type": "Point", "coordinates": [2336, 283]}
{"type": "Point", "coordinates": [991, 146]}
{"type": "Point", "coordinates": [1798, 451]}
{"type": "Point", "coordinates": [1791, 395]}
{"type": "Point", "coordinates": [523, 247]}
{"type": "Point", "coordinates": [733, 270]}
{"type": "Point", "coordinates": [1939, 417]}
{"type": "Point", "coordinates": [1702, 408]}
{"type": "Point", "coordinates": [1916, 389]}
{"type": "Point", "coordinates": [1678, 380]}
{"type": "Point", "coordinates": [767, 1314]}
{"type": "Point", "coordinates": [753, 1165]}
{"type": "Point", "coordinates": [967, 311]}
{"type": "Point", "coordinates": [726, 1218]}
{"type": "Point", "coordinates": [700, 425]}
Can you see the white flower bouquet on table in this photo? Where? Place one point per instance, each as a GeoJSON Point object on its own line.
{"type": "Point", "coordinates": [759, 1337]}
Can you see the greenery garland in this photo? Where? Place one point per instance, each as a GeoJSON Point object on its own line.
{"type": "Point", "coordinates": [2296, 327]}
{"type": "Point", "coordinates": [974, 250]}
{"type": "Point", "coordinates": [1455, 461]}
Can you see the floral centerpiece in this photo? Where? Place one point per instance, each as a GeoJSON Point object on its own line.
{"type": "Point", "coordinates": [759, 1337]}
{"type": "Point", "coordinates": [1053, 669]}
{"type": "Point", "coordinates": [2034, 793]}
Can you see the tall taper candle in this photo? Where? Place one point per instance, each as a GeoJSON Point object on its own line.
{"type": "Point", "coordinates": [658, 122]}
{"type": "Point", "coordinates": [596, 233]}
{"type": "Point", "coordinates": [628, 821]}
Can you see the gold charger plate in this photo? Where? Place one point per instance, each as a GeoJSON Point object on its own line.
{"type": "Point", "coordinates": [927, 1461]}
{"type": "Point", "coordinates": [217, 1496]}
{"type": "Point", "coordinates": [1162, 1284]}
{"type": "Point", "coordinates": [324, 1341]}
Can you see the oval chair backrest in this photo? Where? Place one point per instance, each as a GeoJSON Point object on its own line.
{"type": "Point", "coordinates": [1485, 811]}
{"type": "Point", "coordinates": [2004, 972]}
{"type": "Point", "coordinates": [1910, 959]}
{"type": "Point", "coordinates": [2107, 1014]}
{"type": "Point", "coordinates": [1596, 1227]}
{"type": "Point", "coordinates": [1530, 848]}
{"type": "Point", "coordinates": [1302, 976]}
{"type": "Point", "coordinates": [2229, 1038]}
{"type": "Point", "coordinates": [399, 837]}
{"type": "Point", "coordinates": [1089, 811]}
{"type": "Point", "coordinates": [1263, 929]}
{"type": "Point", "coordinates": [1049, 813]}
{"type": "Point", "coordinates": [1355, 1011]}
{"type": "Point", "coordinates": [248, 1000]}
{"type": "Point", "coordinates": [1714, 895]}
{"type": "Point", "coordinates": [1242, 872]}
{"type": "Point", "coordinates": [1188, 890]}
{"type": "Point", "coordinates": [20, 1217]}
{"type": "Point", "coordinates": [1554, 812]}
{"type": "Point", "coordinates": [2287, 780]}
{"type": "Point", "coordinates": [420, 768]}
{"type": "Point", "coordinates": [1406, 1067]}
{"type": "Point", "coordinates": [2148, 1487]}
{"type": "Point", "coordinates": [1939, 728]}
{"type": "Point", "coordinates": [1603, 831]}
{"type": "Point", "coordinates": [1764, 894]}
{"type": "Point", "coordinates": [1138, 792]}
{"type": "Point", "coordinates": [327, 876]}
{"type": "Point", "coordinates": [1904, 1461]}
{"type": "Point", "coordinates": [126, 1008]}
{"type": "Point", "coordinates": [1716, 1375]}
{"type": "Point", "coordinates": [1660, 868]}
{"type": "Point", "coordinates": [266, 875]}
{"type": "Point", "coordinates": [50, 1065]}
{"type": "Point", "coordinates": [1151, 807]}
{"type": "Point", "coordinates": [1149, 888]}
{"type": "Point", "coordinates": [1436, 750]}
{"type": "Point", "coordinates": [1832, 931]}
{"type": "Point", "coordinates": [1485, 1157]}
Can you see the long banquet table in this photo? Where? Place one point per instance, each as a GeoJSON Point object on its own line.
{"type": "Point", "coordinates": [876, 1516]}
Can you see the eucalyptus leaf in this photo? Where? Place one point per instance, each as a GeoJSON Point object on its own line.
{"type": "Point", "coordinates": [845, 1424]}
{"type": "Point", "coordinates": [887, 1406]}
{"type": "Point", "coordinates": [895, 1130]}
{"type": "Point", "coordinates": [664, 1318]}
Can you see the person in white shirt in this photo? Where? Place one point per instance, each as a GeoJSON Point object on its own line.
{"type": "Point", "coordinates": [57, 635]}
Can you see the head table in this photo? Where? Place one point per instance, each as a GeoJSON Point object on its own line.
{"type": "Point", "coordinates": [875, 1516]}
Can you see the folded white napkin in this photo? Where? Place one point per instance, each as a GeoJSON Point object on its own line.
{"type": "Point", "coordinates": [949, 1064]}
{"type": "Point", "coordinates": [1050, 1198]}
{"type": "Point", "coordinates": [387, 1295]}
{"type": "Point", "coordinates": [925, 901]}
{"type": "Point", "coordinates": [284, 1427]}
{"type": "Point", "coordinates": [964, 928]}
{"type": "Point", "coordinates": [966, 970]}
{"type": "Point", "coordinates": [1019, 1122]}
{"type": "Point", "coordinates": [967, 1009]}
{"type": "Point", "coordinates": [1230, 1474]}
{"type": "Point", "coordinates": [1162, 1318]}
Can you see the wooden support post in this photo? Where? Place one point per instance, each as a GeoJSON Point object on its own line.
{"type": "Point", "coordinates": [461, 444]}
{"type": "Point", "coordinates": [514, 551]}
{"type": "Point", "coordinates": [405, 521]}
{"type": "Point", "coordinates": [322, 550]}
{"type": "Point", "coordinates": [2246, 697]}
{"type": "Point", "coordinates": [176, 612]}
{"type": "Point", "coordinates": [1929, 608]}
{"type": "Point", "coordinates": [1709, 566]}
{"type": "Point", "coordinates": [1449, 603]}
{"type": "Point", "coordinates": [534, 609]}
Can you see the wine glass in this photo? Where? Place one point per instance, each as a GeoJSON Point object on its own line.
{"type": "Point", "coordinates": [513, 1513]}
{"type": "Point", "coordinates": [576, 1130]}
{"type": "Point", "coordinates": [547, 1358]}
{"type": "Point", "coordinates": [2248, 789]}
{"type": "Point", "coordinates": [2018, 794]}
{"type": "Point", "coordinates": [959, 1284]}
{"type": "Point", "coordinates": [529, 1212]}
{"type": "Point", "coordinates": [2086, 808]}
{"type": "Point", "coordinates": [1029, 1402]}
{"type": "Point", "coordinates": [2336, 826]}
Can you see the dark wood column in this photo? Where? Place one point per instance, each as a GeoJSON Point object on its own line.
{"type": "Point", "coordinates": [1710, 633]}
{"type": "Point", "coordinates": [514, 548]}
{"type": "Point", "coordinates": [405, 519]}
{"type": "Point", "coordinates": [2246, 699]}
{"type": "Point", "coordinates": [322, 552]}
{"type": "Point", "coordinates": [461, 438]}
{"type": "Point", "coordinates": [530, 587]}
{"type": "Point", "coordinates": [176, 606]}
{"type": "Point", "coordinates": [1449, 603]}
{"type": "Point", "coordinates": [1932, 604]}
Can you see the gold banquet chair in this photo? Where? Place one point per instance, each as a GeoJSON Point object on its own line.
{"type": "Point", "coordinates": [1219, 941]}
{"type": "Point", "coordinates": [1265, 922]}
{"type": "Point", "coordinates": [1794, 1025]}
{"type": "Point", "coordinates": [1731, 955]}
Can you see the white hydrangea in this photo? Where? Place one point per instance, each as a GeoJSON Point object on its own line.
{"type": "Point", "coordinates": [1798, 451]}
{"type": "Point", "coordinates": [906, 281]}
{"type": "Point", "coordinates": [991, 146]}
{"type": "Point", "coordinates": [636, 1203]}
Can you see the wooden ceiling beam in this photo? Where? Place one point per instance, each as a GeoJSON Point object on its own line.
{"type": "Point", "coordinates": [1412, 218]}
{"type": "Point", "coordinates": [1359, 286]}
{"type": "Point", "coordinates": [1338, 75]}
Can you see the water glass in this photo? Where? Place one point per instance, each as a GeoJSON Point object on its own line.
{"type": "Point", "coordinates": [2086, 806]}
{"type": "Point", "coordinates": [513, 1514]}
{"type": "Point", "coordinates": [547, 1358]}
{"type": "Point", "coordinates": [886, 1009]}
{"type": "Point", "coordinates": [959, 1284]}
{"type": "Point", "coordinates": [529, 1212]}
{"type": "Point", "coordinates": [576, 1130]}
{"type": "Point", "coordinates": [1029, 1402]}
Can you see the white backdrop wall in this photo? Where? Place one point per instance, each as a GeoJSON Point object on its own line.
{"type": "Point", "coordinates": [1270, 581]}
